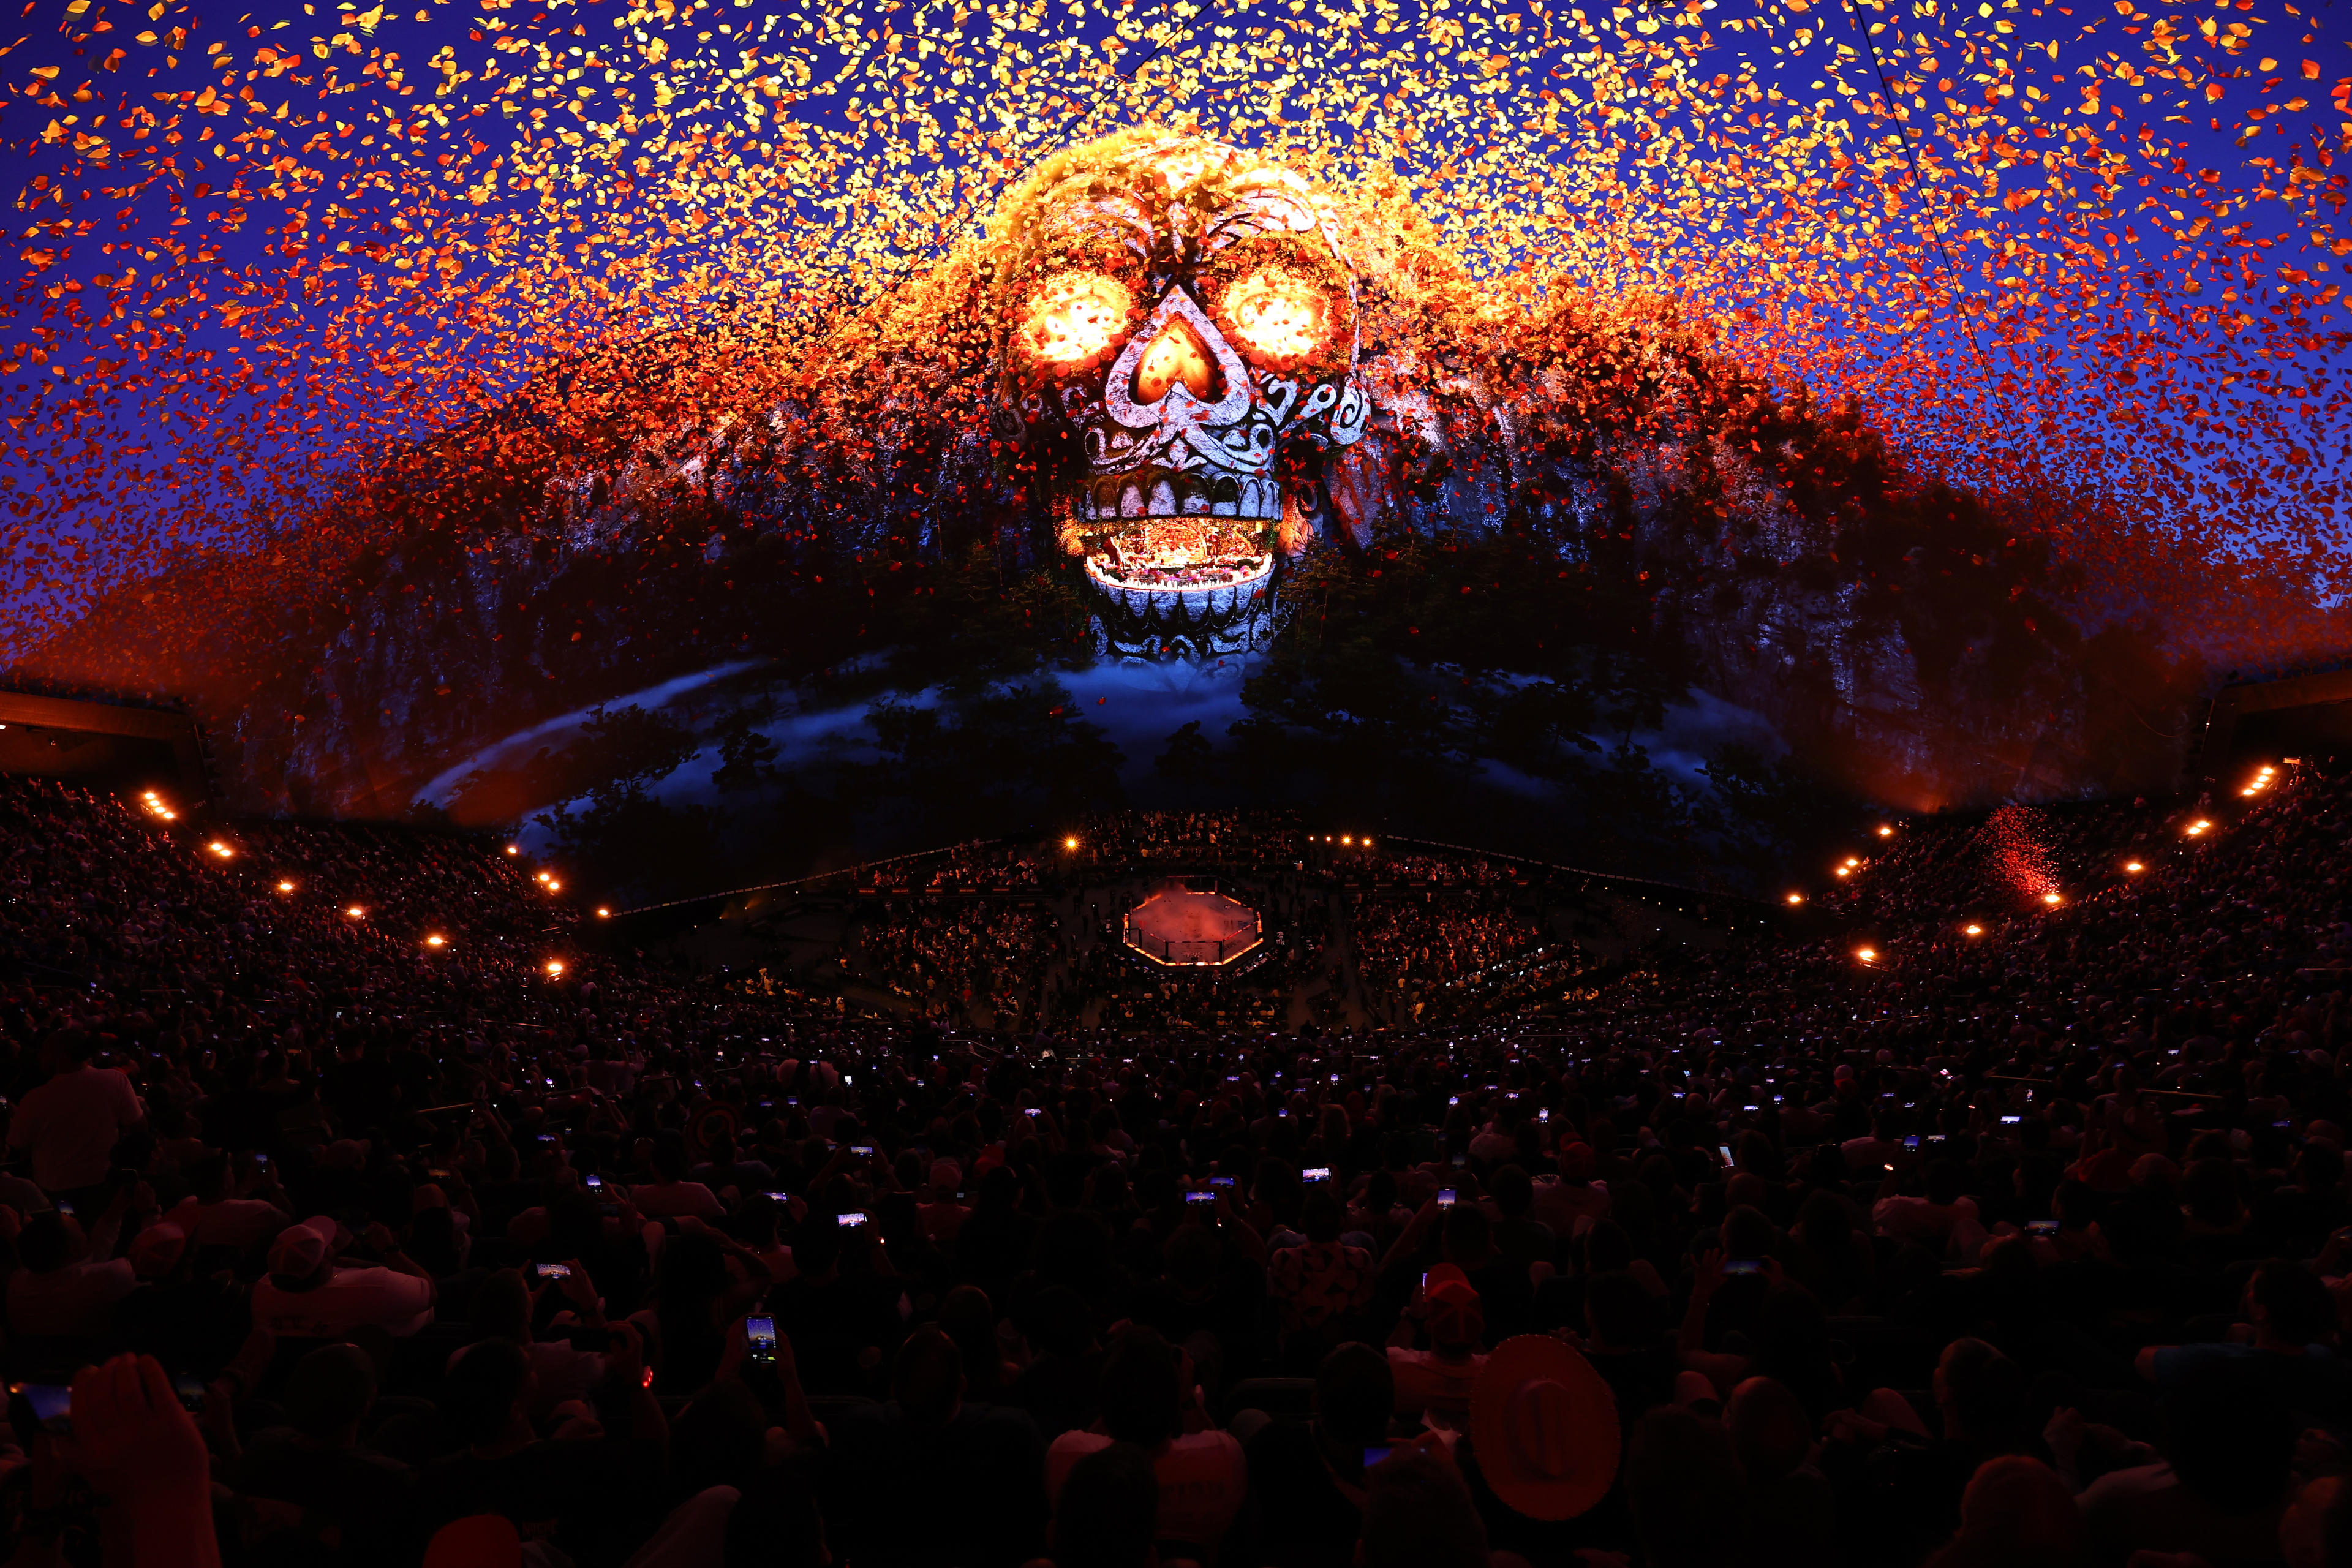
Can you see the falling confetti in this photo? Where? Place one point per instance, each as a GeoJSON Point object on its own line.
{"type": "Point", "coordinates": [285, 285]}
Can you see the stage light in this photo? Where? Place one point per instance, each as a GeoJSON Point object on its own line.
{"type": "Point", "coordinates": [554, 966]}
{"type": "Point", "coordinates": [1867, 954]}
{"type": "Point", "coordinates": [221, 849]}
{"type": "Point", "coordinates": [2052, 898]}
{"type": "Point", "coordinates": [541, 877]}
{"type": "Point", "coordinates": [513, 849]}
{"type": "Point", "coordinates": [553, 886]}
{"type": "Point", "coordinates": [285, 887]}
{"type": "Point", "coordinates": [1843, 870]}
{"type": "Point", "coordinates": [1346, 839]}
{"type": "Point", "coordinates": [1070, 843]}
{"type": "Point", "coordinates": [436, 941]}
{"type": "Point", "coordinates": [2134, 866]}
{"type": "Point", "coordinates": [1973, 930]}
{"type": "Point", "coordinates": [1796, 897]}
{"type": "Point", "coordinates": [2196, 829]}
{"type": "Point", "coordinates": [356, 912]}
{"type": "Point", "coordinates": [602, 913]}
{"type": "Point", "coordinates": [1885, 831]}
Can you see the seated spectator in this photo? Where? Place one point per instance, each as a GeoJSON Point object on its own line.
{"type": "Point", "coordinates": [1418, 1514]}
{"type": "Point", "coordinates": [1203, 1476]}
{"type": "Point", "coordinates": [716, 1450]}
{"type": "Point", "coordinates": [1322, 1282]}
{"type": "Point", "coordinates": [670, 1196]}
{"type": "Point", "coordinates": [1108, 1512]}
{"type": "Point", "coordinates": [727, 1167]}
{"type": "Point", "coordinates": [1625, 1344]}
{"type": "Point", "coordinates": [1791, 1509]}
{"type": "Point", "coordinates": [1683, 1484]}
{"type": "Point", "coordinates": [2015, 1511]}
{"type": "Point", "coordinates": [2292, 1317]}
{"type": "Point", "coordinates": [1307, 1481]}
{"type": "Point", "coordinates": [578, 1486]}
{"type": "Point", "coordinates": [70, 1123]}
{"type": "Point", "coordinates": [503, 1309]}
{"type": "Point", "coordinates": [1506, 1293]}
{"type": "Point", "coordinates": [1440, 1376]}
{"type": "Point", "coordinates": [1521, 1238]}
{"type": "Point", "coordinates": [243, 1226]}
{"type": "Point", "coordinates": [843, 1325]}
{"type": "Point", "coordinates": [2220, 1491]}
{"type": "Point", "coordinates": [1572, 1196]}
{"type": "Point", "coordinates": [943, 1211]}
{"type": "Point", "coordinates": [308, 1295]}
{"type": "Point", "coordinates": [190, 1321]}
{"type": "Point", "coordinates": [976, 1470]}
{"type": "Point", "coordinates": [351, 1499]}
{"type": "Point", "coordinates": [69, 1286]}
{"type": "Point", "coordinates": [1058, 1385]}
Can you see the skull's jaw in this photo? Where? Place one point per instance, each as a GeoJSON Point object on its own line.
{"type": "Point", "coordinates": [1212, 583]}
{"type": "Point", "coordinates": [1157, 529]}
{"type": "Point", "coordinates": [1193, 558]}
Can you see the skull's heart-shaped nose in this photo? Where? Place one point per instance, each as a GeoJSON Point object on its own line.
{"type": "Point", "coordinates": [1178, 355]}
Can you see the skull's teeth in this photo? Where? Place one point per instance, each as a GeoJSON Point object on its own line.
{"type": "Point", "coordinates": [1181, 495]}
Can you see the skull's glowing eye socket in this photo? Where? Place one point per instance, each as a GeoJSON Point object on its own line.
{"type": "Point", "coordinates": [1279, 314]}
{"type": "Point", "coordinates": [1074, 318]}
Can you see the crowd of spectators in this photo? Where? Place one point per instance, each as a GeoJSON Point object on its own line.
{"type": "Point", "coordinates": [1983, 1231]}
{"type": "Point", "coordinates": [1448, 953]}
{"type": "Point", "coordinates": [1251, 838]}
{"type": "Point", "coordinates": [964, 869]}
{"type": "Point", "coordinates": [1407, 868]}
{"type": "Point", "coordinates": [948, 953]}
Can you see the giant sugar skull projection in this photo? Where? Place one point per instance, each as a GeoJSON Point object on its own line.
{"type": "Point", "coordinates": [1173, 326]}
